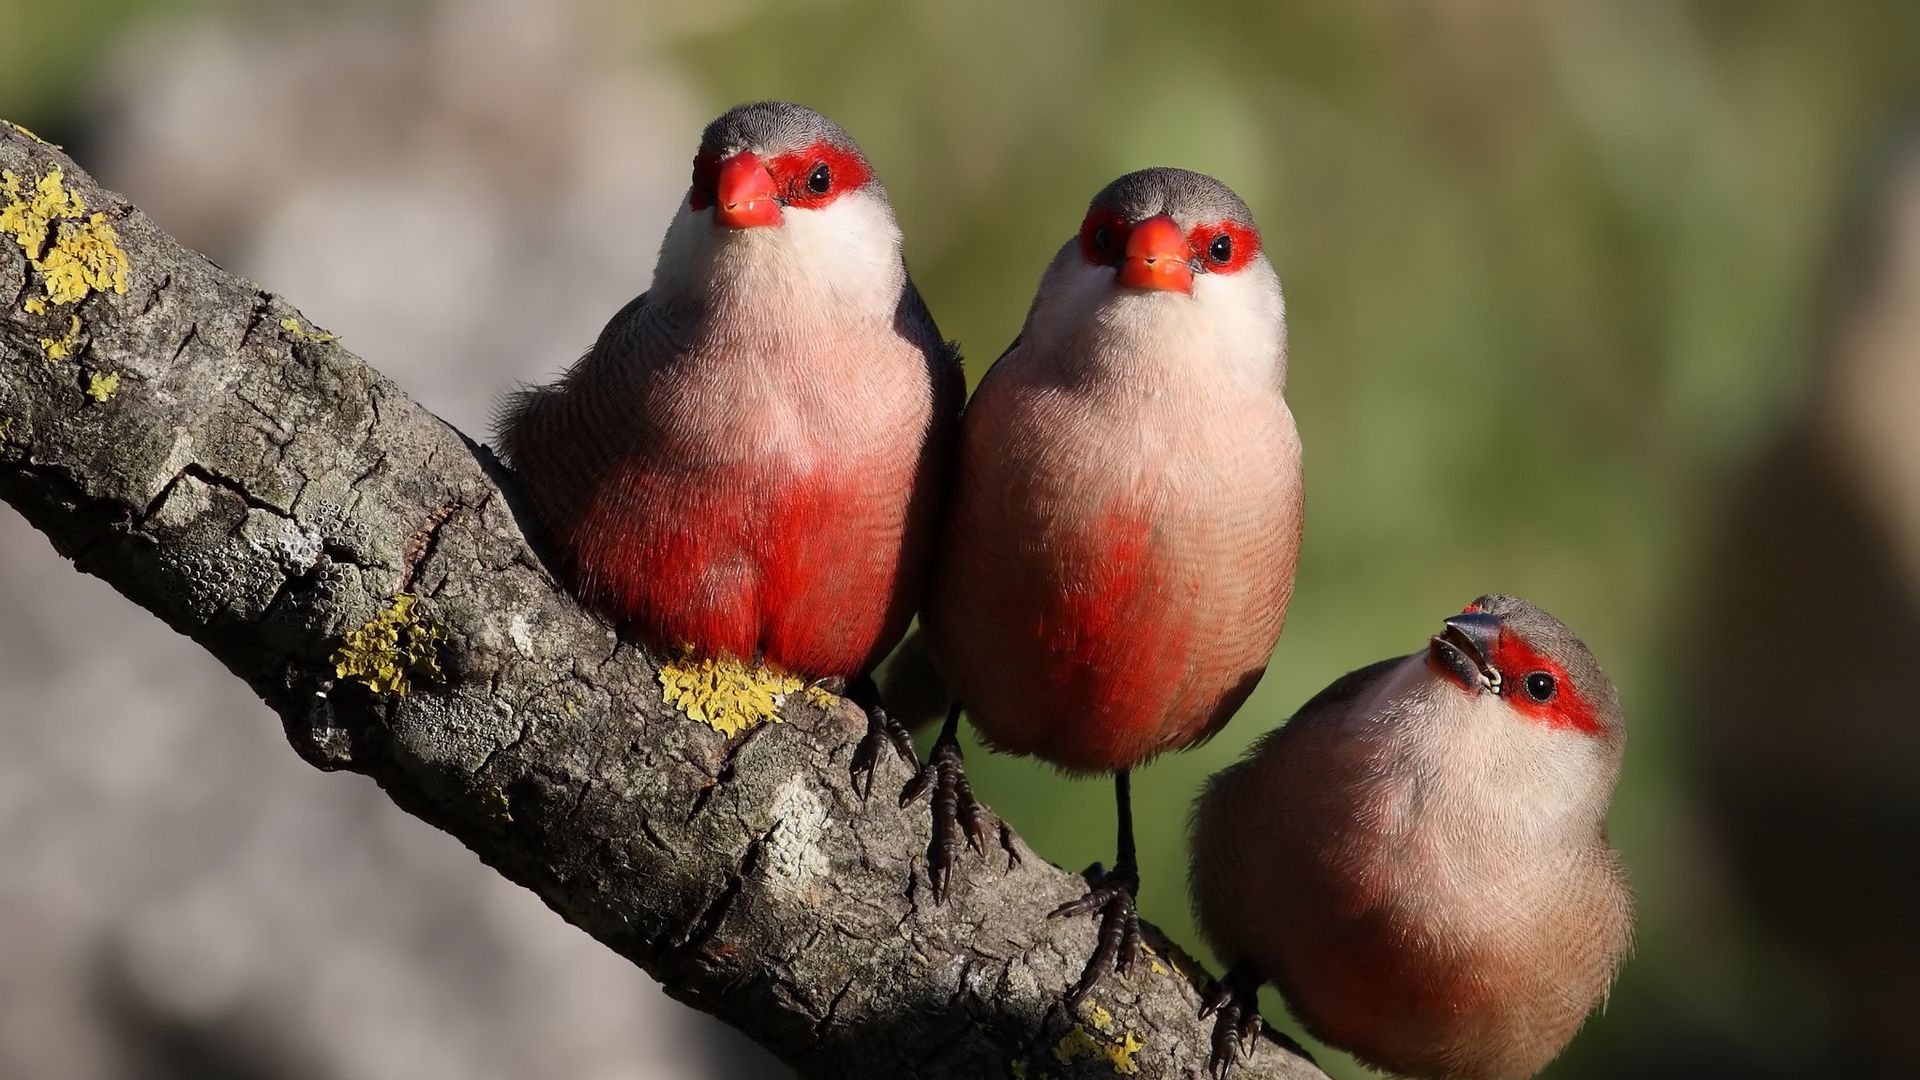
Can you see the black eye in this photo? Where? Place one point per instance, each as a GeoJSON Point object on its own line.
{"type": "Point", "coordinates": [1221, 250]}
{"type": "Point", "coordinates": [1103, 240]}
{"type": "Point", "coordinates": [820, 179]}
{"type": "Point", "coordinates": [1541, 687]}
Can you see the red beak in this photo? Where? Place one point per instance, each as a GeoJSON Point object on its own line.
{"type": "Point", "coordinates": [745, 195]}
{"type": "Point", "coordinates": [1157, 257]}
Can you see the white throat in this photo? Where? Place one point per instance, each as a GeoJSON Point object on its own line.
{"type": "Point", "coordinates": [1231, 332]}
{"type": "Point", "coordinates": [836, 263]}
{"type": "Point", "coordinates": [1511, 779]}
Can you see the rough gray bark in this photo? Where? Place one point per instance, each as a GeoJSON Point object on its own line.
{"type": "Point", "coordinates": [266, 493]}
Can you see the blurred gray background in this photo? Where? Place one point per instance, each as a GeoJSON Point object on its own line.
{"type": "Point", "coordinates": [1612, 303]}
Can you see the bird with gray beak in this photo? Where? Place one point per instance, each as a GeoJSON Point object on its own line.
{"type": "Point", "coordinates": [1419, 858]}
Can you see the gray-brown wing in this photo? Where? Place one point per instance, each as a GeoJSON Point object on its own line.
{"type": "Point", "coordinates": [1344, 689]}
{"type": "Point", "coordinates": [944, 366]}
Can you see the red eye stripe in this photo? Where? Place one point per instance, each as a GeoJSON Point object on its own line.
{"type": "Point", "coordinates": [1515, 660]}
{"type": "Point", "coordinates": [790, 173]}
{"type": "Point", "coordinates": [1246, 241]}
{"type": "Point", "coordinates": [706, 177]}
{"type": "Point", "coordinates": [1116, 237]}
{"type": "Point", "coordinates": [1246, 244]}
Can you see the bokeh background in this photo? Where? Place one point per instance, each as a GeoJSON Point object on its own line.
{"type": "Point", "coordinates": [1615, 304]}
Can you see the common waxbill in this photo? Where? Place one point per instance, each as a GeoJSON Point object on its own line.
{"type": "Point", "coordinates": [749, 461]}
{"type": "Point", "coordinates": [1419, 859]}
{"type": "Point", "coordinates": [1121, 542]}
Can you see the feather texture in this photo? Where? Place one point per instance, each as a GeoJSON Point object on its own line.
{"type": "Point", "coordinates": [750, 460]}
{"type": "Point", "coordinates": [1124, 531]}
{"type": "Point", "coordinates": [1422, 870]}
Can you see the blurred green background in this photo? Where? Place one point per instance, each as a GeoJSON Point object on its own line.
{"type": "Point", "coordinates": [1561, 279]}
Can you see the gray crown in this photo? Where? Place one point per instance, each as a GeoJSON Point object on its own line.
{"type": "Point", "coordinates": [773, 127]}
{"type": "Point", "coordinates": [1550, 636]}
{"type": "Point", "coordinates": [1189, 198]}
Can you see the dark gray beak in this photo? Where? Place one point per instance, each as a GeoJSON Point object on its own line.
{"type": "Point", "coordinates": [1463, 650]}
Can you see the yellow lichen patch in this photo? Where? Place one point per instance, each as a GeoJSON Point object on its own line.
{"type": "Point", "coordinates": [101, 387]}
{"type": "Point", "coordinates": [493, 803]}
{"type": "Point", "coordinates": [35, 305]}
{"type": "Point", "coordinates": [85, 258]}
{"type": "Point", "coordinates": [29, 212]}
{"type": "Point", "coordinates": [301, 333]}
{"type": "Point", "coordinates": [62, 347]}
{"type": "Point", "coordinates": [820, 697]}
{"type": "Point", "coordinates": [1080, 1044]}
{"type": "Point", "coordinates": [1154, 965]}
{"type": "Point", "coordinates": [1101, 1018]}
{"type": "Point", "coordinates": [392, 649]}
{"type": "Point", "coordinates": [1153, 960]}
{"type": "Point", "coordinates": [1120, 1054]}
{"type": "Point", "coordinates": [725, 694]}
{"type": "Point", "coordinates": [75, 253]}
{"type": "Point", "coordinates": [29, 134]}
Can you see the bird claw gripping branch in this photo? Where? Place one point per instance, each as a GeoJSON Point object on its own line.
{"type": "Point", "coordinates": [1234, 1002]}
{"type": "Point", "coordinates": [1118, 944]}
{"type": "Point", "coordinates": [883, 730]}
{"type": "Point", "coordinates": [955, 812]}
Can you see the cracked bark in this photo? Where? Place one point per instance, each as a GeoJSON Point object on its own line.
{"type": "Point", "coordinates": [239, 486]}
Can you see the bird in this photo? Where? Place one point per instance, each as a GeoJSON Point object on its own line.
{"type": "Point", "coordinates": [1123, 531]}
{"type": "Point", "coordinates": [1418, 860]}
{"type": "Point", "coordinates": [750, 460]}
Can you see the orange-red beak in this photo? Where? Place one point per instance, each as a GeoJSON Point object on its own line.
{"type": "Point", "coordinates": [745, 196]}
{"type": "Point", "coordinates": [1156, 257]}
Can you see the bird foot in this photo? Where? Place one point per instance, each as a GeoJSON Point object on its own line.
{"type": "Point", "coordinates": [1118, 944]}
{"type": "Point", "coordinates": [957, 818]}
{"type": "Point", "coordinates": [882, 731]}
{"type": "Point", "coordinates": [1234, 1002]}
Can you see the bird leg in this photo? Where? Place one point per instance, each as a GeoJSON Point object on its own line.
{"type": "Point", "coordinates": [1234, 1001]}
{"type": "Point", "coordinates": [883, 730]}
{"type": "Point", "coordinates": [955, 813]}
{"type": "Point", "coordinates": [1112, 895]}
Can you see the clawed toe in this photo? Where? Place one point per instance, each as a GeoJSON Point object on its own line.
{"type": "Point", "coordinates": [1234, 1003]}
{"type": "Point", "coordinates": [883, 731]}
{"type": "Point", "coordinates": [958, 820]}
{"type": "Point", "coordinates": [1117, 946]}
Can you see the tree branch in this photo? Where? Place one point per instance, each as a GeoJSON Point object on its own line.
{"type": "Point", "coordinates": [267, 494]}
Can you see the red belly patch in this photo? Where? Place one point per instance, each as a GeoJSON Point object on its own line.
{"type": "Point", "coordinates": [798, 569]}
{"type": "Point", "coordinates": [1105, 646]}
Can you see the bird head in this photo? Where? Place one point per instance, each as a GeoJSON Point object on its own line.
{"type": "Point", "coordinates": [1528, 661]}
{"type": "Point", "coordinates": [782, 197]}
{"type": "Point", "coordinates": [759, 161]}
{"type": "Point", "coordinates": [1167, 230]}
{"type": "Point", "coordinates": [1515, 704]}
{"type": "Point", "coordinates": [1169, 263]}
